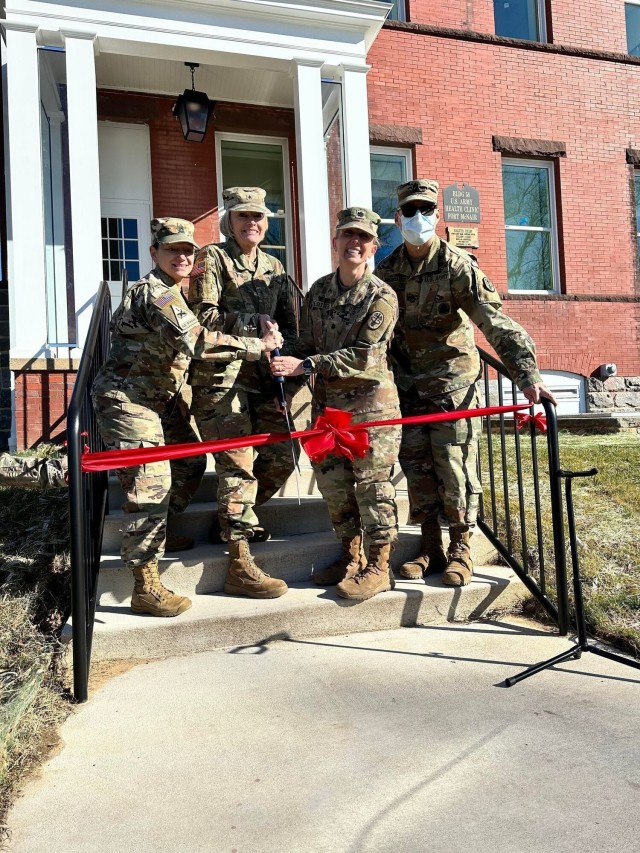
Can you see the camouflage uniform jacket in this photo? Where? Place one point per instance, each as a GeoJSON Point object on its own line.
{"type": "Point", "coordinates": [154, 335]}
{"type": "Point", "coordinates": [434, 347]}
{"type": "Point", "coordinates": [346, 333]}
{"type": "Point", "coordinates": [227, 291]}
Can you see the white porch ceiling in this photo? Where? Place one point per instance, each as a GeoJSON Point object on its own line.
{"type": "Point", "coordinates": [171, 77]}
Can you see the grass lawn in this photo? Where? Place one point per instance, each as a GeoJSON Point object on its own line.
{"type": "Point", "coordinates": [607, 515]}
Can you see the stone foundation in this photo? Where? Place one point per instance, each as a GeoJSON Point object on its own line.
{"type": "Point", "coordinates": [616, 394]}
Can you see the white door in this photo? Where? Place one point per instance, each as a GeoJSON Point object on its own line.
{"type": "Point", "coordinates": [125, 201]}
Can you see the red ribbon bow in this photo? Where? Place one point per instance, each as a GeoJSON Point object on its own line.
{"type": "Point", "coordinates": [539, 420]}
{"type": "Point", "coordinates": [335, 437]}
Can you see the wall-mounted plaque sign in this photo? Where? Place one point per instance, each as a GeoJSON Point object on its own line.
{"type": "Point", "coordinates": [461, 203]}
{"type": "Point", "coordinates": [461, 236]}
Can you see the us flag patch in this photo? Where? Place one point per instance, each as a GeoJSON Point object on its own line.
{"type": "Point", "coordinates": [165, 299]}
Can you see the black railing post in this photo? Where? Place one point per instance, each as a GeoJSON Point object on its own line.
{"type": "Point", "coordinates": [557, 517]}
{"type": "Point", "coordinates": [87, 493]}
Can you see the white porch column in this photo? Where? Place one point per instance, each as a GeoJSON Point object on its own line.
{"type": "Point", "coordinates": [355, 109]}
{"type": "Point", "coordinates": [84, 176]}
{"type": "Point", "coordinates": [26, 249]}
{"type": "Point", "coordinates": [56, 120]}
{"type": "Point", "coordinates": [313, 192]}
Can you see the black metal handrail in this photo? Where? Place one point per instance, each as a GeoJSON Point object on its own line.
{"type": "Point", "coordinates": [87, 492]}
{"type": "Point", "coordinates": [506, 518]}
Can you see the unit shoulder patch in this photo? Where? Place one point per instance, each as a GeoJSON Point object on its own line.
{"type": "Point", "coordinates": [375, 320]}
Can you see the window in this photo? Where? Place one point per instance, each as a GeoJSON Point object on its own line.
{"type": "Point", "coordinates": [632, 20]}
{"type": "Point", "coordinates": [399, 11]}
{"type": "Point", "coordinates": [636, 180]}
{"type": "Point", "coordinates": [529, 215]}
{"type": "Point", "coordinates": [389, 168]}
{"type": "Point", "coordinates": [120, 248]}
{"type": "Point", "coordinates": [520, 19]}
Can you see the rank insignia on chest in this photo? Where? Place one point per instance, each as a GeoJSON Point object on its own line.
{"type": "Point", "coordinates": [375, 320]}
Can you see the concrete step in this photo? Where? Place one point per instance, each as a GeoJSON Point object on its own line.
{"type": "Point", "coordinates": [282, 516]}
{"type": "Point", "coordinates": [203, 569]}
{"type": "Point", "coordinates": [219, 621]}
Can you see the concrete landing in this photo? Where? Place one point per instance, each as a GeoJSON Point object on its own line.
{"type": "Point", "coordinates": [392, 742]}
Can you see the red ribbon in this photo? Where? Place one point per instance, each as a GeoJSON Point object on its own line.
{"type": "Point", "coordinates": [332, 432]}
{"type": "Point", "coordinates": [539, 420]}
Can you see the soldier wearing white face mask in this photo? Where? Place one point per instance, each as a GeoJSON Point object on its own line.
{"type": "Point", "coordinates": [440, 289]}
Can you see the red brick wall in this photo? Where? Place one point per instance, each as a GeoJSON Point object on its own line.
{"type": "Point", "coordinates": [41, 405]}
{"type": "Point", "coordinates": [468, 92]}
{"type": "Point", "coordinates": [592, 24]}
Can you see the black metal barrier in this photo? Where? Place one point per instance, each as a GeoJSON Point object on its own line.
{"type": "Point", "coordinates": [87, 493]}
{"type": "Point", "coordinates": [512, 513]}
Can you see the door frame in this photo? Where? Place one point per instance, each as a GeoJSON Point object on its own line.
{"type": "Point", "coordinates": [283, 143]}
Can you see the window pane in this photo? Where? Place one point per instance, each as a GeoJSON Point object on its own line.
{"type": "Point", "coordinates": [133, 270]}
{"type": "Point", "coordinates": [131, 250]}
{"type": "Point", "coordinates": [636, 181]}
{"type": "Point", "coordinates": [398, 11]}
{"type": "Point", "coordinates": [387, 172]}
{"type": "Point", "coordinates": [517, 19]}
{"type": "Point", "coordinates": [529, 260]}
{"type": "Point", "coordinates": [389, 237]}
{"type": "Point", "coordinates": [130, 228]}
{"type": "Point", "coordinates": [526, 196]}
{"type": "Point", "coordinates": [632, 20]}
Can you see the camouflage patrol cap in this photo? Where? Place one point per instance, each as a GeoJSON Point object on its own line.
{"type": "Point", "coordinates": [172, 230]}
{"type": "Point", "coordinates": [358, 217]}
{"type": "Point", "coordinates": [245, 198]}
{"type": "Point", "coordinates": [419, 190]}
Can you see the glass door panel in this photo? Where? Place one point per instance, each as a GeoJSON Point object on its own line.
{"type": "Point", "coordinates": [260, 163]}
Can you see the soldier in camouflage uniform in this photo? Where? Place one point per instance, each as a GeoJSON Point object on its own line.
{"type": "Point", "coordinates": [345, 329]}
{"type": "Point", "coordinates": [238, 287]}
{"type": "Point", "coordinates": [138, 403]}
{"type": "Point", "coordinates": [440, 289]}
{"type": "Point", "coordinates": [33, 472]}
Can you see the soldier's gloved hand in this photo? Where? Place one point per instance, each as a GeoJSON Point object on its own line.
{"type": "Point", "coordinates": [534, 392]}
{"type": "Point", "coordinates": [272, 339]}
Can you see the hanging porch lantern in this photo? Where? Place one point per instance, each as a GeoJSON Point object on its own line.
{"type": "Point", "coordinates": [193, 109]}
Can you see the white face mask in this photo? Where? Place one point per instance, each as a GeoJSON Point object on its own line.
{"type": "Point", "coordinates": [418, 229]}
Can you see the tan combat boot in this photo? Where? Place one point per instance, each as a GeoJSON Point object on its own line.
{"type": "Point", "coordinates": [151, 596]}
{"type": "Point", "coordinates": [245, 578]}
{"type": "Point", "coordinates": [431, 559]}
{"type": "Point", "coordinates": [176, 542]}
{"type": "Point", "coordinates": [374, 578]}
{"type": "Point", "coordinates": [346, 566]}
{"type": "Point", "coordinates": [459, 567]}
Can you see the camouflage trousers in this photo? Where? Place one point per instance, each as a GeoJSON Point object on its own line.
{"type": "Point", "coordinates": [359, 494]}
{"type": "Point", "coordinates": [33, 472]}
{"type": "Point", "coordinates": [440, 460]}
{"type": "Point", "coordinates": [154, 490]}
{"type": "Point", "coordinates": [247, 477]}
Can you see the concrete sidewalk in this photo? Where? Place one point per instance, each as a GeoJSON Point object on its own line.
{"type": "Point", "coordinates": [398, 741]}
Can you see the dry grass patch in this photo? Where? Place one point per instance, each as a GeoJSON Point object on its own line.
{"type": "Point", "coordinates": [34, 605]}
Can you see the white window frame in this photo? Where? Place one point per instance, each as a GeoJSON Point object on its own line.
{"type": "Point", "coordinates": [406, 153]}
{"type": "Point", "coordinates": [288, 216]}
{"type": "Point", "coordinates": [542, 21]}
{"type": "Point", "coordinates": [549, 166]}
